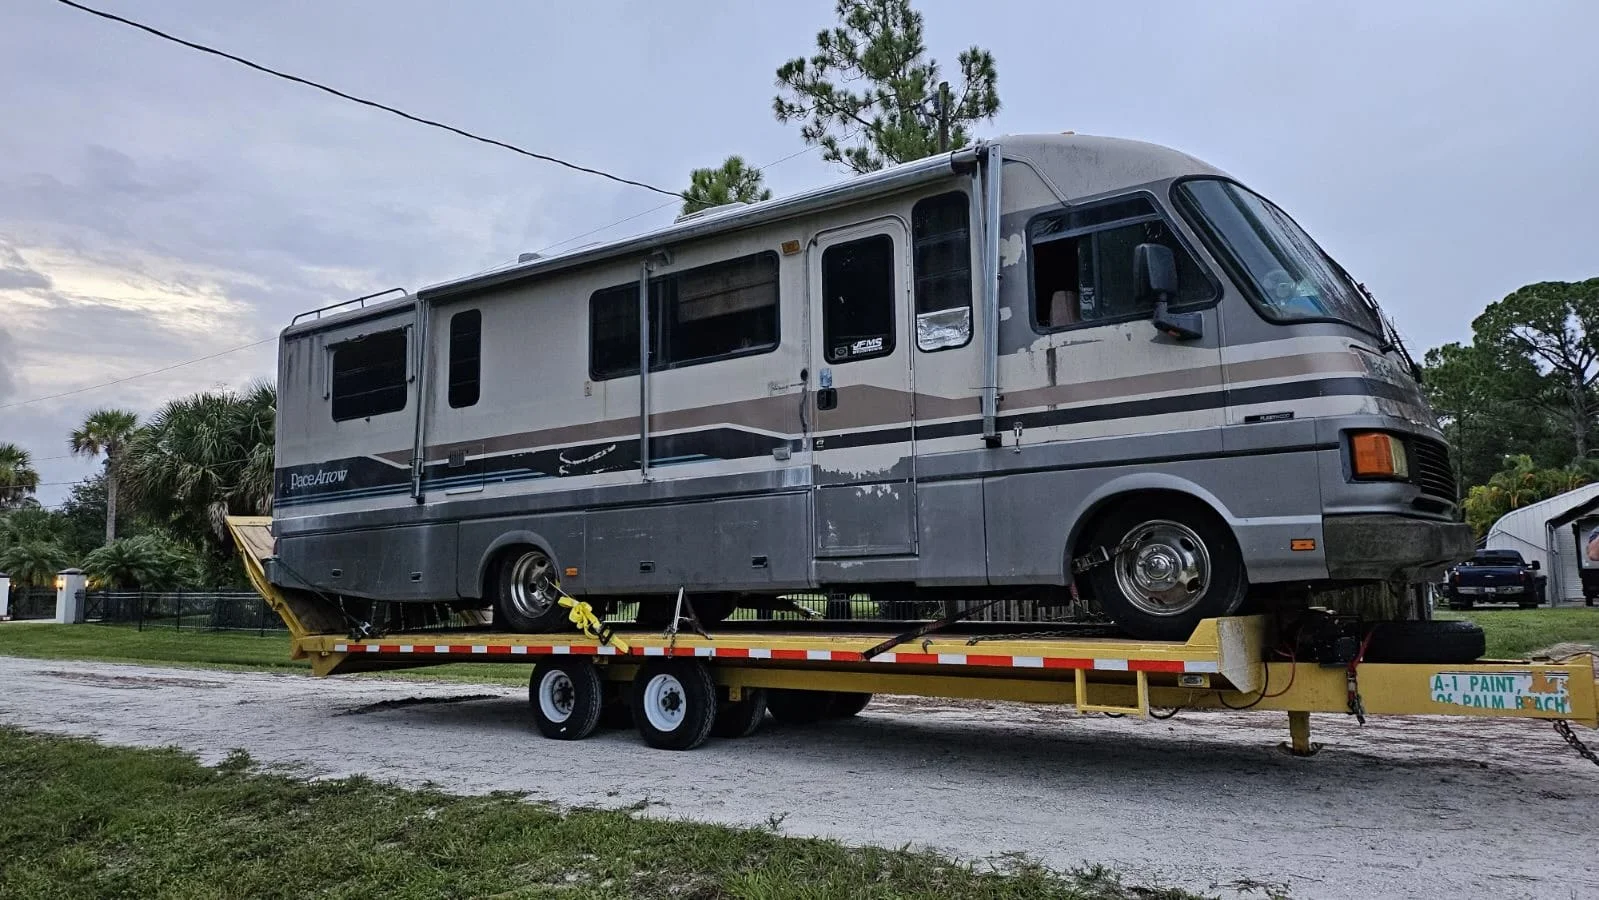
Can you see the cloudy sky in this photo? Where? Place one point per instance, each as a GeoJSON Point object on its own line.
{"type": "Point", "coordinates": [158, 205]}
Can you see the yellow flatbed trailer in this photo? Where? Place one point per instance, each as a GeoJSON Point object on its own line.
{"type": "Point", "coordinates": [1222, 665]}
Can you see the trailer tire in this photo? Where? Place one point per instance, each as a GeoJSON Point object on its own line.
{"type": "Point", "coordinates": [674, 703]}
{"type": "Point", "coordinates": [567, 697]}
{"type": "Point", "coordinates": [1426, 642]}
{"type": "Point", "coordinates": [794, 707]}
{"type": "Point", "coordinates": [1180, 543]}
{"type": "Point", "coordinates": [742, 717]}
{"type": "Point", "coordinates": [526, 596]}
{"type": "Point", "coordinates": [847, 704]}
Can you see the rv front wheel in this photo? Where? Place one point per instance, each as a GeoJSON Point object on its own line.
{"type": "Point", "coordinates": [1178, 565]}
{"type": "Point", "coordinates": [527, 594]}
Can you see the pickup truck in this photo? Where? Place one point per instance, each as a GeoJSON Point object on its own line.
{"type": "Point", "coordinates": [1495, 576]}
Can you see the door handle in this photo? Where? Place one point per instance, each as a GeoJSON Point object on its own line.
{"type": "Point", "coordinates": [827, 398]}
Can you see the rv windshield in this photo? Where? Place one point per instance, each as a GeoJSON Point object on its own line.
{"type": "Point", "coordinates": [1292, 277]}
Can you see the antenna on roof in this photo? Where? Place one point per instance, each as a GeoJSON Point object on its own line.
{"type": "Point", "coordinates": [526, 257]}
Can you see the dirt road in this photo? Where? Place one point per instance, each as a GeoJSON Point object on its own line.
{"type": "Point", "coordinates": [1399, 808]}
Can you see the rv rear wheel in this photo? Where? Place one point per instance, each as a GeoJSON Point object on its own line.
{"type": "Point", "coordinates": [1179, 565]}
{"type": "Point", "coordinates": [711, 610]}
{"type": "Point", "coordinates": [526, 596]}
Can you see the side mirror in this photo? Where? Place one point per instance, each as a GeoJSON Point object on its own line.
{"type": "Point", "coordinates": [1155, 278]}
{"type": "Point", "coordinates": [1534, 565]}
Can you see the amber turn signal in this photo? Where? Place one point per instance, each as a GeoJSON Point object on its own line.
{"type": "Point", "coordinates": [1378, 455]}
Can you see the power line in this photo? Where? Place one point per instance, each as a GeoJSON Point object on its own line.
{"type": "Point", "coordinates": [95, 387]}
{"type": "Point", "coordinates": [361, 100]}
{"type": "Point", "coordinates": [652, 209]}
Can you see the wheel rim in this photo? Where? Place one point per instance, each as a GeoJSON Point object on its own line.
{"type": "Point", "coordinates": [532, 595]}
{"type": "Point", "coordinates": [1166, 569]}
{"type": "Point", "coordinates": [557, 696]}
{"type": "Point", "coordinates": [664, 703]}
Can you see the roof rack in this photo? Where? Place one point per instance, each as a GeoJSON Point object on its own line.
{"type": "Point", "coordinates": [317, 313]}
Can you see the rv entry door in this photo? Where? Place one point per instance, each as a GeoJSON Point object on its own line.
{"type": "Point", "coordinates": [863, 450]}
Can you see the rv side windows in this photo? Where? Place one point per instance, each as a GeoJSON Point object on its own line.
{"type": "Point", "coordinates": [1082, 266]}
{"type": "Point", "coordinates": [715, 311]}
{"type": "Point", "coordinates": [466, 357]}
{"type": "Point", "coordinates": [699, 315]}
{"type": "Point", "coordinates": [613, 332]}
{"type": "Point", "coordinates": [858, 299]}
{"type": "Point", "coordinates": [369, 375]}
{"type": "Point", "coordinates": [942, 249]}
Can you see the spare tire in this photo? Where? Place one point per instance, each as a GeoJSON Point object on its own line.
{"type": "Point", "coordinates": [1426, 642]}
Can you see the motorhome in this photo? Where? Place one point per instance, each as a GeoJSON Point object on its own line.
{"type": "Point", "coordinates": [1039, 364]}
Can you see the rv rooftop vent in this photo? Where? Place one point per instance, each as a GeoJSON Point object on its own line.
{"type": "Point", "coordinates": [701, 213]}
{"type": "Point", "coordinates": [526, 257]}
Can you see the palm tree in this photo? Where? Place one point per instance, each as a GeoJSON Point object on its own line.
{"type": "Point", "coordinates": [18, 480]}
{"type": "Point", "coordinates": [734, 182]}
{"type": "Point", "coordinates": [203, 457]}
{"type": "Point", "coordinates": [33, 562]}
{"type": "Point", "coordinates": [106, 431]}
{"type": "Point", "coordinates": [149, 562]}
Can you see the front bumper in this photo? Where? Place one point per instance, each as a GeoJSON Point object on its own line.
{"type": "Point", "coordinates": [1384, 547]}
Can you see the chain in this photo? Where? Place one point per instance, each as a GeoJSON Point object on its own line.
{"type": "Point", "coordinates": [1563, 728]}
{"type": "Point", "coordinates": [1357, 706]}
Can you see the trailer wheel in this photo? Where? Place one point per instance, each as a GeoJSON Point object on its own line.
{"type": "Point", "coordinates": [674, 703]}
{"type": "Point", "coordinates": [848, 703]}
{"type": "Point", "coordinates": [527, 597]}
{"type": "Point", "coordinates": [1180, 565]}
{"type": "Point", "coordinates": [742, 717]}
{"type": "Point", "coordinates": [792, 707]}
{"type": "Point", "coordinates": [567, 697]}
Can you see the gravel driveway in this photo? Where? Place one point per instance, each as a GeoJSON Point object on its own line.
{"type": "Point", "coordinates": [1420, 807]}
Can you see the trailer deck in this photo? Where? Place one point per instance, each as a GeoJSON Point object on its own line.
{"type": "Point", "coordinates": [1224, 664]}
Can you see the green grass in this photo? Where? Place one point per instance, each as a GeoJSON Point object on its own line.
{"type": "Point", "coordinates": [205, 650]}
{"type": "Point", "coordinates": [1514, 633]}
{"type": "Point", "coordinates": [82, 820]}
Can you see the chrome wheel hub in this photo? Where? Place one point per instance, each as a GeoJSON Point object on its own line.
{"type": "Point", "coordinates": [532, 593]}
{"type": "Point", "coordinates": [1165, 569]}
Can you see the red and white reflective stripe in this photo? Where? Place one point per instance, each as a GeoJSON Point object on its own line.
{"type": "Point", "coordinates": [1101, 664]}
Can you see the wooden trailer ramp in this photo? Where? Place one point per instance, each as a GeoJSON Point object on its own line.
{"type": "Point", "coordinates": [1222, 665]}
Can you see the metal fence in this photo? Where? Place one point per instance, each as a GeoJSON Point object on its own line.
{"type": "Point", "coordinates": [33, 603]}
{"type": "Point", "coordinates": [183, 610]}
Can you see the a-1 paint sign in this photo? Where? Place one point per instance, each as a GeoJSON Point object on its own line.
{"type": "Point", "coordinates": [1531, 691]}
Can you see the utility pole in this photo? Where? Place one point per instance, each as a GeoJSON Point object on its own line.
{"type": "Point", "coordinates": [943, 117]}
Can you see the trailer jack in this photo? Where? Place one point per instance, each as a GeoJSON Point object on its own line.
{"type": "Point", "coordinates": [1299, 743]}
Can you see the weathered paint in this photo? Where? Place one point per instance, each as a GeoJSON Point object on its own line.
{"type": "Point", "coordinates": [1532, 690]}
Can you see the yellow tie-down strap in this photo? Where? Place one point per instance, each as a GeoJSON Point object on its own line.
{"type": "Point", "coordinates": [582, 615]}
